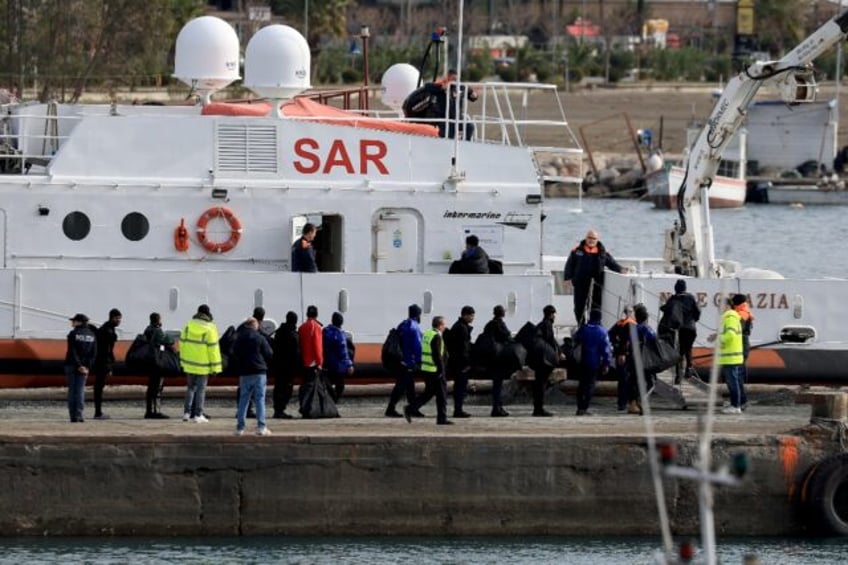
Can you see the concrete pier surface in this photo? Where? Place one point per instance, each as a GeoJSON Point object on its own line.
{"type": "Point", "coordinates": [364, 474]}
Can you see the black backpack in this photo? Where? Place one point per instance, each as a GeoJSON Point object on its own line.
{"type": "Point", "coordinates": [392, 352]}
{"type": "Point", "coordinates": [225, 344]}
{"type": "Point", "coordinates": [526, 336]}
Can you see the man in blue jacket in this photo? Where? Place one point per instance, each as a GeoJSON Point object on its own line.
{"type": "Point", "coordinates": [595, 361]}
{"type": "Point", "coordinates": [337, 361]}
{"type": "Point", "coordinates": [410, 342]}
{"type": "Point", "coordinates": [252, 354]}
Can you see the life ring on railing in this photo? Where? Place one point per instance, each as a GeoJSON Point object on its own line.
{"type": "Point", "coordinates": [232, 220]}
{"type": "Point", "coordinates": [824, 496]}
{"type": "Point", "coordinates": [181, 240]}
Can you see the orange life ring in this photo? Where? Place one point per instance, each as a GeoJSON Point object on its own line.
{"type": "Point", "coordinates": [232, 220]}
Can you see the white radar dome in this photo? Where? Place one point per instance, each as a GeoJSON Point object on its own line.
{"type": "Point", "coordinates": [207, 54]}
{"type": "Point", "coordinates": [276, 63]}
{"type": "Point", "coordinates": [397, 84]}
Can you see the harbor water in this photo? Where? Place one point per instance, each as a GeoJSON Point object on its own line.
{"type": "Point", "coordinates": [367, 551]}
{"type": "Point", "coordinates": [802, 242]}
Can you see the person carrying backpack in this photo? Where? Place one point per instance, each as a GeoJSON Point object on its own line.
{"type": "Point", "coordinates": [410, 341]}
{"type": "Point", "coordinates": [680, 314]}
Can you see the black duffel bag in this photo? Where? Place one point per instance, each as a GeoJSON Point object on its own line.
{"type": "Point", "coordinates": [658, 355]}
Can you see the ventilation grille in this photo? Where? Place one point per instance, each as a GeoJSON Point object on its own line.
{"type": "Point", "coordinates": [247, 149]}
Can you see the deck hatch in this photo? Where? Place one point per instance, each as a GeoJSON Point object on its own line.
{"type": "Point", "coordinates": [247, 148]}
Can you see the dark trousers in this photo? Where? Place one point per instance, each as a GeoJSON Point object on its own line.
{"type": "Point", "coordinates": [153, 396]}
{"type": "Point", "coordinates": [622, 373]}
{"type": "Point", "coordinates": [686, 338]}
{"type": "Point", "coordinates": [100, 375]}
{"type": "Point", "coordinates": [434, 385]}
{"type": "Point", "coordinates": [283, 388]}
{"type": "Point", "coordinates": [586, 387]}
{"type": "Point", "coordinates": [539, 386]}
{"type": "Point", "coordinates": [497, 390]}
{"type": "Point", "coordinates": [460, 388]}
{"type": "Point", "coordinates": [76, 393]}
{"type": "Point", "coordinates": [404, 383]}
{"type": "Point", "coordinates": [336, 384]}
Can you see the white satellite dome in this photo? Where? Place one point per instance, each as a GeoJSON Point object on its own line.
{"type": "Point", "coordinates": [276, 63]}
{"type": "Point", "coordinates": [207, 55]}
{"type": "Point", "coordinates": [397, 84]}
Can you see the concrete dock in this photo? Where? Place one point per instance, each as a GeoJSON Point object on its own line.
{"type": "Point", "coordinates": [366, 474]}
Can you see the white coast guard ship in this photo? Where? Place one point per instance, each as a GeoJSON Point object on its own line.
{"type": "Point", "coordinates": [148, 208]}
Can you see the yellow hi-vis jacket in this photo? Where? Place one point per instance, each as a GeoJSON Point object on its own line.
{"type": "Point", "coordinates": [199, 351]}
{"type": "Point", "coordinates": [428, 364]}
{"type": "Point", "coordinates": [730, 339]}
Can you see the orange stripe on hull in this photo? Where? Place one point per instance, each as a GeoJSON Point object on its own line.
{"type": "Point", "coordinates": [760, 359]}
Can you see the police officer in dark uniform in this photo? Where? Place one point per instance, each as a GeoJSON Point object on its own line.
{"type": "Point", "coordinates": [79, 360]}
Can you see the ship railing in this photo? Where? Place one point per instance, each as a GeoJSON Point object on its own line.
{"type": "Point", "coordinates": [30, 135]}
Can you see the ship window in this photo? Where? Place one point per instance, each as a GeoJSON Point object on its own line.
{"type": "Point", "coordinates": [76, 226]}
{"type": "Point", "coordinates": [135, 226]}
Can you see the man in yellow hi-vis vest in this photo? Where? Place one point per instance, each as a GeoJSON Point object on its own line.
{"type": "Point", "coordinates": [200, 358]}
{"type": "Point", "coordinates": [433, 360]}
{"type": "Point", "coordinates": [731, 358]}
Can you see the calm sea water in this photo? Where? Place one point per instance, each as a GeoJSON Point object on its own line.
{"type": "Point", "coordinates": [796, 242]}
{"type": "Point", "coordinates": [367, 551]}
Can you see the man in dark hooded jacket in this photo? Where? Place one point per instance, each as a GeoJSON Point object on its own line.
{"type": "Point", "coordinates": [286, 364]}
{"type": "Point", "coordinates": [458, 342]}
{"type": "Point", "coordinates": [106, 338]}
{"type": "Point", "coordinates": [474, 260]}
{"type": "Point", "coordinates": [500, 334]}
{"type": "Point", "coordinates": [585, 265]}
{"type": "Point", "coordinates": [680, 314]}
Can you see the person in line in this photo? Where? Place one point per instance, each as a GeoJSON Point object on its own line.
{"type": "Point", "coordinates": [644, 333]}
{"type": "Point", "coordinates": [337, 361]}
{"type": "Point", "coordinates": [680, 314]}
{"type": "Point", "coordinates": [79, 360]}
{"type": "Point", "coordinates": [302, 252]}
{"type": "Point", "coordinates": [585, 270]}
{"type": "Point", "coordinates": [458, 342]}
{"type": "Point", "coordinates": [253, 354]}
{"type": "Point", "coordinates": [474, 260]}
{"type": "Point", "coordinates": [740, 304]}
{"type": "Point", "coordinates": [541, 369]}
{"type": "Point", "coordinates": [287, 364]}
{"type": "Point", "coordinates": [731, 357]}
{"type": "Point", "coordinates": [106, 338]}
{"type": "Point", "coordinates": [622, 351]}
{"type": "Point", "coordinates": [157, 339]}
{"type": "Point", "coordinates": [496, 327]}
{"type": "Point", "coordinates": [595, 361]}
{"type": "Point", "coordinates": [311, 344]}
{"type": "Point", "coordinates": [433, 360]}
{"type": "Point", "coordinates": [259, 316]}
{"type": "Point", "coordinates": [410, 341]}
{"type": "Point", "coordinates": [200, 359]}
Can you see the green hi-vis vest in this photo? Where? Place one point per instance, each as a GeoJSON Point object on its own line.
{"type": "Point", "coordinates": [428, 365]}
{"type": "Point", "coordinates": [730, 339]}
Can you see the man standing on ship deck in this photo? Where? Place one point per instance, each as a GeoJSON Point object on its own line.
{"type": "Point", "coordinates": [302, 252]}
{"type": "Point", "coordinates": [585, 266]}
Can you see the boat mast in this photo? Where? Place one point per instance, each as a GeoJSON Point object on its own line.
{"type": "Point", "coordinates": [454, 173]}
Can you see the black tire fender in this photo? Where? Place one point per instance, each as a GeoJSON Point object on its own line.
{"type": "Point", "coordinates": [824, 495]}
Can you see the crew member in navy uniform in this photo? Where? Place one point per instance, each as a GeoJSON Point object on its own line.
{"type": "Point", "coordinates": [287, 364]}
{"type": "Point", "coordinates": [433, 359]}
{"type": "Point", "coordinates": [458, 341]}
{"type": "Point", "coordinates": [586, 264]}
{"type": "Point", "coordinates": [106, 338]}
{"type": "Point", "coordinates": [79, 359]}
{"type": "Point", "coordinates": [302, 253]}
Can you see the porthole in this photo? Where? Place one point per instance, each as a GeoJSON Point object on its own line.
{"type": "Point", "coordinates": [76, 226]}
{"type": "Point", "coordinates": [135, 226]}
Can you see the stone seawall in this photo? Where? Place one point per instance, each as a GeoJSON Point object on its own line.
{"type": "Point", "coordinates": [375, 484]}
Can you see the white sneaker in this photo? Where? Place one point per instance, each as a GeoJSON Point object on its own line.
{"type": "Point", "coordinates": [263, 432]}
{"type": "Point", "coordinates": [731, 410]}
{"type": "Point", "coordinates": [200, 419]}
{"type": "Point", "coordinates": [239, 432]}
{"type": "Point", "coordinates": [186, 417]}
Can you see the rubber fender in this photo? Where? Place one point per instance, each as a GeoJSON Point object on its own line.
{"type": "Point", "coordinates": [824, 496]}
